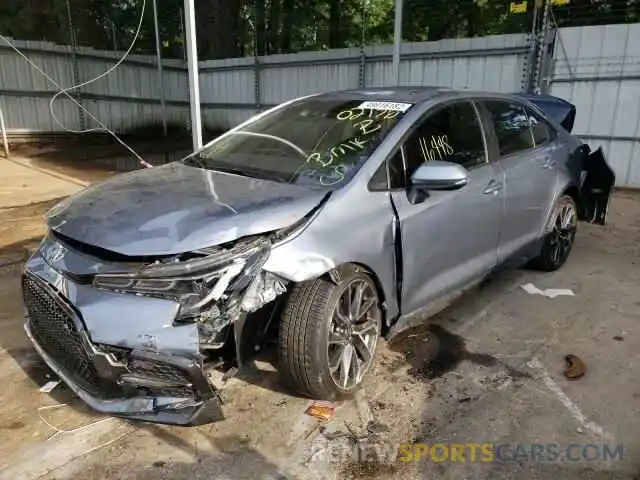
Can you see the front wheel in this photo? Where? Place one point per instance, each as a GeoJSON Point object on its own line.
{"type": "Point", "coordinates": [559, 236]}
{"type": "Point", "coordinates": [328, 335]}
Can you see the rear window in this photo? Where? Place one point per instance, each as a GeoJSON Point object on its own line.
{"type": "Point", "coordinates": [314, 141]}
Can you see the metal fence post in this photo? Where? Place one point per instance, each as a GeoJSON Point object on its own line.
{"type": "Point", "coordinates": [256, 82]}
{"type": "Point", "coordinates": [362, 69]}
{"type": "Point", "coordinates": [76, 70]}
{"type": "Point", "coordinates": [194, 81]}
{"type": "Point", "coordinates": [397, 40]}
{"type": "Point", "coordinates": [3, 131]}
{"type": "Point", "coordinates": [541, 47]}
{"type": "Point", "coordinates": [363, 57]}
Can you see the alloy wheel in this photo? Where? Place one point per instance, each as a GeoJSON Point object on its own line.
{"type": "Point", "coordinates": [353, 333]}
{"type": "Point", "coordinates": [563, 233]}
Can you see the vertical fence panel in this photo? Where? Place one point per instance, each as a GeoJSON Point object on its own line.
{"type": "Point", "coordinates": [597, 69]}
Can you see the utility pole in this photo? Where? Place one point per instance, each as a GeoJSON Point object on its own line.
{"type": "Point", "coordinates": [192, 64]}
{"type": "Point", "coordinates": [397, 40]}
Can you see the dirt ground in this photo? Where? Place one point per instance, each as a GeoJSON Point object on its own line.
{"type": "Point", "coordinates": [488, 369]}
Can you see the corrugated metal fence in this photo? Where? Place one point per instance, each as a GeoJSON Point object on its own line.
{"type": "Point", "coordinates": [598, 70]}
{"type": "Point", "coordinates": [234, 89]}
{"type": "Point", "coordinates": [125, 99]}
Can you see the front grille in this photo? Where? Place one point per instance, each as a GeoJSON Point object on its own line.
{"type": "Point", "coordinates": [166, 372]}
{"type": "Point", "coordinates": [54, 329]}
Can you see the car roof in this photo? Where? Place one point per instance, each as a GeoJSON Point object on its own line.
{"type": "Point", "coordinates": [390, 94]}
{"type": "Point", "coordinates": [414, 95]}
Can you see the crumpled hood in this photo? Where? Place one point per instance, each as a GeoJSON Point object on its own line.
{"type": "Point", "coordinates": [176, 208]}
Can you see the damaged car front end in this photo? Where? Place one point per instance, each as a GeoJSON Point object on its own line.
{"type": "Point", "coordinates": [130, 336]}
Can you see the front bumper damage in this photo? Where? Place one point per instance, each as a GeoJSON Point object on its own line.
{"type": "Point", "coordinates": [124, 354]}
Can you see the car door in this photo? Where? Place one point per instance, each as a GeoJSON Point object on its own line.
{"type": "Point", "coordinates": [449, 238]}
{"type": "Point", "coordinates": [530, 173]}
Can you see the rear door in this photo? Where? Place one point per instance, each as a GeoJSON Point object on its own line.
{"type": "Point", "coordinates": [529, 168]}
{"type": "Point", "coordinates": [451, 237]}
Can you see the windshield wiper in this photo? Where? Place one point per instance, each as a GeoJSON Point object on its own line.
{"type": "Point", "coordinates": [251, 172]}
{"type": "Point", "coordinates": [233, 171]}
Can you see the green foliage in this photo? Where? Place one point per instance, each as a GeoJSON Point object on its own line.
{"type": "Point", "coordinates": [232, 28]}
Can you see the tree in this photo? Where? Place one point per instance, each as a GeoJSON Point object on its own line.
{"type": "Point", "coordinates": [231, 28]}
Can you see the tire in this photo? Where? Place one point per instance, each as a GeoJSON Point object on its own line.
{"type": "Point", "coordinates": [559, 236]}
{"type": "Point", "coordinates": [314, 314]}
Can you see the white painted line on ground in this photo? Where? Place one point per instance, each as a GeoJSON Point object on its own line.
{"type": "Point", "coordinates": [575, 411]}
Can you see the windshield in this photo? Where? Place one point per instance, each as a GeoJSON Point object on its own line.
{"type": "Point", "coordinates": [319, 142]}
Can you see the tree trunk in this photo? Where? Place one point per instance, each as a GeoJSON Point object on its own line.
{"type": "Point", "coordinates": [261, 33]}
{"type": "Point", "coordinates": [287, 26]}
{"type": "Point", "coordinates": [217, 28]}
{"type": "Point", "coordinates": [335, 37]}
{"type": "Point", "coordinates": [274, 25]}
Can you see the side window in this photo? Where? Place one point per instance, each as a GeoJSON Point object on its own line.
{"type": "Point", "coordinates": [511, 125]}
{"type": "Point", "coordinates": [390, 175]}
{"type": "Point", "coordinates": [452, 134]}
{"type": "Point", "coordinates": [542, 132]}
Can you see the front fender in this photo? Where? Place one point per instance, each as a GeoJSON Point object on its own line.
{"type": "Point", "coordinates": [361, 234]}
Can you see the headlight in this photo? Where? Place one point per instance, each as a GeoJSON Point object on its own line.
{"type": "Point", "coordinates": [197, 282]}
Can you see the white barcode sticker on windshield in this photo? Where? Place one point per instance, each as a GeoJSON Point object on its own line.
{"type": "Point", "coordinates": [393, 106]}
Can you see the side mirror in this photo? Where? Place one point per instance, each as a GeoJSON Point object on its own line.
{"type": "Point", "coordinates": [436, 175]}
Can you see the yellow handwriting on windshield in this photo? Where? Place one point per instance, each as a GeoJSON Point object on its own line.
{"type": "Point", "coordinates": [336, 177]}
{"type": "Point", "coordinates": [435, 148]}
{"type": "Point", "coordinates": [337, 151]}
{"type": "Point", "coordinates": [356, 113]}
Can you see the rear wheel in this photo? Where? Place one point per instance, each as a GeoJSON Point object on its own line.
{"type": "Point", "coordinates": [559, 236]}
{"type": "Point", "coordinates": [328, 334]}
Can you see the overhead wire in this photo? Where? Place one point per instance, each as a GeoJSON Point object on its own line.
{"type": "Point", "coordinates": [65, 91]}
{"type": "Point", "coordinates": [102, 75]}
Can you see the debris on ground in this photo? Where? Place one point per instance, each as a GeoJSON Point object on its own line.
{"type": "Point", "coordinates": [324, 411]}
{"type": "Point", "coordinates": [575, 368]}
{"type": "Point", "coordinates": [376, 427]}
{"type": "Point", "coordinates": [49, 386]}
{"type": "Point", "coordinates": [531, 289]}
{"type": "Point", "coordinates": [368, 459]}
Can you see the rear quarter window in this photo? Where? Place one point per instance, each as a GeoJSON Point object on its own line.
{"type": "Point", "coordinates": [512, 126]}
{"type": "Point", "coordinates": [542, 132]}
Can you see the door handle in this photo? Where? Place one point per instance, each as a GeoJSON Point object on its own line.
{"type": "Point", "coordinates": [548, 162]}
{"type": "Point", "coordinates": [492, 188]}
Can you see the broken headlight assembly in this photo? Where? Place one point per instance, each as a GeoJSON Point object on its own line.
{"type": "Point", "coordinates": [196, 280]}
{"type": "Point", "coordinates": [199, 279]}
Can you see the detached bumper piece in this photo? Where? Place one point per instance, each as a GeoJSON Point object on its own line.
{"type": "Point", "coordinates": [134, 384]}
{"type": "Point", "coordinates": [596, 188]}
